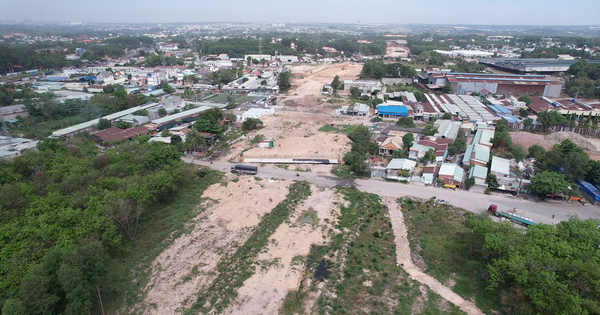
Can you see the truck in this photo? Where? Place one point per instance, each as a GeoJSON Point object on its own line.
{"type": "Point", "coordinates": [493, 209]}
{"type": "Point", "coordinates": [244, 169]}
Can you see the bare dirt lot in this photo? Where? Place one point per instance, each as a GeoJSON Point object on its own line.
{"type": "Point", "coordinates": [526, 139]}
{"type": "Point", "coordinates": [308, 80]}
{"type": "Point", "coordinates": [282, 264]}
{"type": "Point", "coordinates": [188, 265]}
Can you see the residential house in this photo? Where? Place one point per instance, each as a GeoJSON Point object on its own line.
{"type": "Point", "coordinates": [451, 174]}
{"type": "Point", "coordinates": [391, 144]}
{"type": "Point", "coordinates": [429, 173]}
{"type": "Point", "coordinates": [480, 174]}
{"type": "Point", "coordinates": [447, 128]}
{"type": "Point", "coordinates": [440, 147]}
{"type": "Point", "coordinates": [400, 169]}
{"type": "Point", "coordinates": [501, 168]}
{"type": "Point", "coordinates": [357, 110]}
{"type": "Point", "coordinates": [105, 76]}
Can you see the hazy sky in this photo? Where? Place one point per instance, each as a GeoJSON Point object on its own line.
{"type": "Point", "coordinates": [521, 12]}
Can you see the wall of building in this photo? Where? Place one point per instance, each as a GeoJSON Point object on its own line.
{"type": "Point", "coordinates": [474, 86]}
{"type": "Point", "coordinates": [552, 90]}
{"type": "Point", "coordinates": [519, 89]}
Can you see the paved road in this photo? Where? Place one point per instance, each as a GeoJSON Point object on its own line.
{"type": "Point", "coordinates": [475, 202]}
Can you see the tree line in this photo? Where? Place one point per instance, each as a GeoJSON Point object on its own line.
{"type": "Point", "coordinates": [66, 209]}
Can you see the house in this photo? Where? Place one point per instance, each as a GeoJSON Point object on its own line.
{"type": "Point", "coordinates": [480, 174]}
{"type": "Point", "coordinates": [429, 173]}
{"type": "Point", "coordinates": [391, 144]}
{"type": "Point", "coordinates": [501, 168]}
{"type": "Point", "coordinates": [400, 169]}
{"type": "Point", "coordinates": [134, 119]}
{"type": "Point", "coordinates": [439, 146]}
{"type": "Point", "coordinates": [477, 154]}
{"type": "Point", "coordinates": [105, 76]}
{"type": "Point", "coordinates": [484, 137]}
{"type": "Point", "coordinates": [116, 134]}
{"type": "Point", "coordinates": [451, 174]}
{"type": "Point", "coordinates": [447, 128]}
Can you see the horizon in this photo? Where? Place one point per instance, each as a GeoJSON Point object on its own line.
{"type": "Point", "coordinates": [383, 12]}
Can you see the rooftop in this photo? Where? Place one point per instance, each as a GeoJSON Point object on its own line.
{"type": "Point", "coordinates": [401, 164]}
{"type": "Point", "coordinates": [500, 165]}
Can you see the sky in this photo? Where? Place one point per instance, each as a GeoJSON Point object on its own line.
{"type": "Point", "coordinates": [505, 12]}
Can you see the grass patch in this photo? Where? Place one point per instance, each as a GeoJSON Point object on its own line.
{"type": "Point", "coordinates": [309, 217]}
{"type": "Point", "coordinates": [283, 166]}
{"type": "Point", "coordinates": [364, 277]}
{"type": "Point", "coordinates": [345, 129]}
{"type": "Point", "coordinates": [234, 270]}
{"type": "Point", "coordinates": [130, 268]}
{"type": "Point", "coordinates": [438, 232]}
{"type": "Point", "coordinates": [36, 128]}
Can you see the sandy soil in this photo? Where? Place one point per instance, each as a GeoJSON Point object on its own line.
{"type": "Point", "coordinates": [309, 80]}
{"type": "Point", "coordinates": [297, 136]}
{"type": "Point", "coordinates": [264, 292]}
{"type": "Point", "coordinates": [526, 139]}
{"type": "Point", "coordinates": [403, 257]}
{"type": "Point", "coordinates": [188, 265]}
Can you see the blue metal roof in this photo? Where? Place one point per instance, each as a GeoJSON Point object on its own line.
{"type": "Point", "coordinates": [393, 110]}
{"type": "Point", "coordinates": [590, 189]}
{"type": "Point", "coordinates": [511, 119]}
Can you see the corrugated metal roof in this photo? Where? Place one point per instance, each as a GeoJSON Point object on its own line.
{"type": "Point", "coordinates": [500, 165]}
{"type": "Point", "coordinates": [479, 171]}
{"type": "Point", "coordinates": [401, 164]}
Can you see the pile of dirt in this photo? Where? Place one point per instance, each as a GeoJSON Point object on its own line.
{"type": "Point", "coordinates": [526, 139]}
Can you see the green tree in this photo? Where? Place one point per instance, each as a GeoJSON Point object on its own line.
{"type": "Point", "coordinates": [549, 183]}
{"type": "Point", "coordinates": [123, 124]}
{"type": "Point", "coordinates": [550, 119]}
{"type": "Point", "coordinates": [406, 122]}
{"type": "Point", "coordinates": [252, 124]}
{"type": "Point", "coordinates": [104, 123]}
{"type": "Point", "coordinates": [518, 153]}
{"type": "Point", "coordinates": [231, 102]}
{"type": "Point", "coordinates": [162, 112]}
{"type": "Point", "coordinates": [459, 145]}
{"type": "Point", "coordinates": [14, 306]}
{"type": "Point", "coordinates": [593, 175]}
{"type": "Point", "coordinates": [492, 181]}
{"type": "Point", "coordinates": [210, 121]}
{"type": "Point", "coordinates": [528, 123]}
{"type": "Point", "coordinates": [429, 156]}
{"type": "Point", "coordinates": [470, 182]}
{"type": "Point", "coordinates": [447, 88]}
{"type": "Point", "coordinates": [336, 84]}
{"type": "Point", "coordinates": [283, 82]}
{"type": "Point", "coordinates": [536, 151]}
{"type": "Point", "coordinates": [407, 140]}
{"type": "Point", "coordinates": [447, 116]}
{"type": "Point", "coordinates": [526, 99]}
{"type": "Point", "coordinates": [176, 139]}
{"type": "Point", "coordinates": [430, 130]}
{"type": "Point", "coordinates": [523, 112]}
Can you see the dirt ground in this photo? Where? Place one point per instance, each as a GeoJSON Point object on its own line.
{"type": "Point", "coordinates": [526, 139]}
{"type": "Point", "coordinates": [308, 80]}
{"type": "Point", "coordinates": [282, 264]}
{"type": "Point", "coordinates": [188, 265]}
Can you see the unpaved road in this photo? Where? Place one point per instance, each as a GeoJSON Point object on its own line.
{"type": "Point", "coordinates": [474, 202]}
{"type": "Point", "coordinates": [403, 257]}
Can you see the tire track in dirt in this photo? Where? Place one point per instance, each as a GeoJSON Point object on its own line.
{"type": "Point", "coordinates": [403, 258]}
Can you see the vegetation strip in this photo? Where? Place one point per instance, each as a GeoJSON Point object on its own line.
{"type": "Point", "coordinates": [359, 268]}
{"type": "Point", "coordinates": [234, 270]}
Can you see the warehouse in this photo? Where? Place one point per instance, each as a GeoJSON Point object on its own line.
{"type": "Point", "coordinates": [387, 111]}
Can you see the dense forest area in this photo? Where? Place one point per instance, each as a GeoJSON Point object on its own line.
{"type": "Point", "coordinates": [67, 210]}
{"type": "Point", "coordinates": [238, 47]}
{"type": "Point", "coordinates": [23, 58]}
{"type": "Point", "coordinates": [377, 69]}
{"type": "Point", "coordinates": [584, 79]}
{"type": "Point", "coordinates": [549, 269]}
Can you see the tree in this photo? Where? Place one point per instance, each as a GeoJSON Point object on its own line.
{"type": "Point", "coordinates": [523, 112]}
{"type": "Point", "coordinates": [104, 123]}
{"type": "Point", "coordinates": [194, 141]}
{"type": "Point", "coordinates": [550, 119]}
{"type": "Point", "coordinates": [459, 145]}
{"type": "Point", "coordinates": [210, 121]}
{"type": "Point", "coordinates": [528, 123]}
{"type": "Point", "coordinates": [492, 181]}
{"type": "Point", "coordinates": [447, 116]}
{"type": "Point", "coordinates": [406, 122]}
{"type": "Point", "coordinates": [283, 81]}
{"type": "Point", "coordinates": [355, 92]}
{"type": "Point", "coordinates": [164, 85]}
{"type": "Point", "coordinates": [429, 156]}
{"type": "Point", "coordinates": [252, 124]}
{"type": "Point", "coordinates": [430, 130]}
{"type": "Point", "coordinates": [231, 102]}
{"type": "Point", "coordinates": [526, 99]}
{"type": "Point", "coordinates": [447, 88]}
{"type": "Point", "coordinates": [162, 112]}
{"type": "Point", "coordinates": [123, 124]}
{"type": "Point", "coordinates": [407, 140]}
{"type": "Point", "coordinates": [336, 84]}
{"type": "Point", "coordinates": [165, 133]}
{"type": "Point", "coordinates": [535, 151]}
{"type": "Point", "coordinates": [470, 182]}
{"type": "Point", "coordinates": [593, 175]}
{"type": "Point", "coordinates": [549, 183]}
{"type": "Point", "coordinates": [176, 139]}
{"type": "Point", "coordinates": [518, 153]}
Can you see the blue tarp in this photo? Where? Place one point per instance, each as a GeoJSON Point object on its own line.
{"type": "Point", "coordinates": [393, 110]}
{"type": "Point", "coordinates": [56, 79]}
{"type": "Point", "coordinates": [589, 189]}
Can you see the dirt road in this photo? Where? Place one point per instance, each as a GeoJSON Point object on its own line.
{"type": "Point", "coordinates": [403, 257]}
